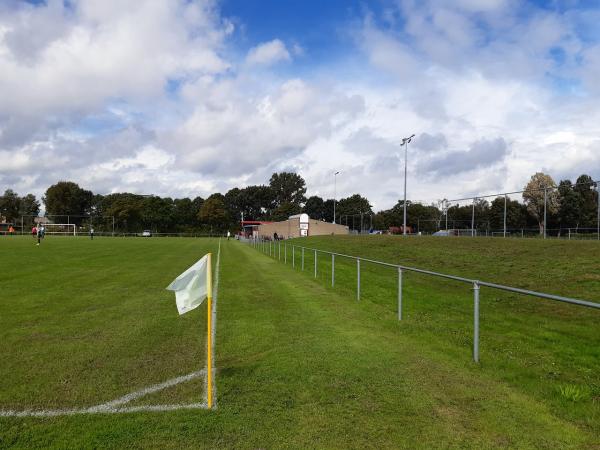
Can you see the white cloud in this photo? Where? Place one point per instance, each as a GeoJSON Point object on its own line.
{"type": "Point", "coordinates": [146, 97]}
{"type": "Point", "coordinates": [237, 133]}
{"type": "Point", "coordinates": [268, 53]}
{"type": "Point", "coordinates": [101, 50]}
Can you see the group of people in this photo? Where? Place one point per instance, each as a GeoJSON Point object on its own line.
{"type": "Point", "coordinates": [38, 232]}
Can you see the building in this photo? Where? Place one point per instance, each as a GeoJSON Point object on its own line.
{"type": "Point", "coordinates": [300, 225]}
{"type": "Point", "coordinates": [250, 227]}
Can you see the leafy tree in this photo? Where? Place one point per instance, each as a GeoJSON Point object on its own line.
{"type": "Point", "coordinates": [214, 213]}
{"type": "Point", "coordinates": [126, 209]}
{"type": "Point", "coordinates": [66, 198]}
{"type": "Point", "coordinates": [184, 213]}
{"type": "Point", "coordinates": [157, 213]}
{"type": "Point", "coordinates": [328, 211]}
{"type": "Point", "coordinates": [288, 188]}
{"type": "Point", "coordinates": [197, 204]}
{"type": "Point", "coordinates": [516, 214]}
{"type": "Point", "coordinates": [9, 205]}
{"type": "Point", "coordinates": [587, 200]}
{"type": "Point", "coordinates": [315, 208]}
{"type": "Point", "coordinates": [285, 210]}
{"type": "Point", "coordinates": [424, 217]}
{"type": "Point", "coordinates": [29, 206]}
{"type": "Point", "coordinates": [534, 197]}
{"type": "Point", "coordinates": [233, 203]}
{"type": "Point", "coordinates": [379, 221]}
{"type": "Point", "coordinates": [355, 205]}
{"type": "Point", "coordinates": [570, 204]}
{"type": "Point", "coordinates": [256, 202]}
{"type": "Point", "coordinates": [459, 216]}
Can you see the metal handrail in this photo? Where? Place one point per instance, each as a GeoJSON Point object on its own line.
{"type": "Point", "coordinates": [260, 244]}
{"type": "Point", "coordinates": [559, 298]}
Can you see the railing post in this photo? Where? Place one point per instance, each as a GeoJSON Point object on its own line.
{"type": "Point", "coordinates": [285, 253]}
{"type": "Point", "coordinates": [399, 293]}
{"type": "Point", "coordinates": [315, 264]}
{"type": "Point", "coordinates": [332, 270]}
{"type": "Point", "coordinates": [279, 250]}
{"type": "Point", "coordinates": [476, 322]}
{"type": "Point", "coordinates": [357, 279]}
{"type": "Point", "coordinates": [293, 256]}
{"type": "Point", "coordinates": [302, 258]}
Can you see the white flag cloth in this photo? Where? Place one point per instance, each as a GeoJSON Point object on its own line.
{"type": "Point", "coordinates": [191, 286]}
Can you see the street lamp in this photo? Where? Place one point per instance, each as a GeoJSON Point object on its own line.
{"type": "Point", "coordinates": [405, 142]}
{"type": "Point", "coordinates": [596, 187]}
{"type": "Point", "coordinates": [334, 193]}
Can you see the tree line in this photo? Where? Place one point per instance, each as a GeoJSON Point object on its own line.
{"type": "Point", "coordinates": [568, 205]}
{"type": "Point", "coordinates": [283, 196]}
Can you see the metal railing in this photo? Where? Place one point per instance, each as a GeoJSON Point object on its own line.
{"type": "Point", "coordinates": [262, 246]}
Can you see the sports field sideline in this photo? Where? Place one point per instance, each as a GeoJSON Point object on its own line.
{"type": "Point", "coordinates": [299, 365]}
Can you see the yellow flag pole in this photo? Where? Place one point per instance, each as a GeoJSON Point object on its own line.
{"type": "Point", "coordinates": [209, 335]}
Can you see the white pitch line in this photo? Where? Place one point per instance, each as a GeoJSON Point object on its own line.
{"type": "Point", "coordinates": [148, 390]}
{"type": "Point", "coordinates": [94, 410]}
{"type": "Point", "coordinates": [214, 328]}
{"type": "Point", "coordinates": [159, 408]}
{"type": "Point", "coordinates": [42, 412]}
{"type": "Point", "coordinates": [115, 406]}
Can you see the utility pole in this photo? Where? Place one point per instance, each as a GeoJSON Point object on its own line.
{"type": "Point", "coordinates": [505, 215]}
{"type": "Point", "coordinates": [545, 207]}
{"type": "Point", "coordinates": [405, 142]}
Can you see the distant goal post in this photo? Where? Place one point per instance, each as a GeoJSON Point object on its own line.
{"type": "Point", "coordinates": [61, 229]}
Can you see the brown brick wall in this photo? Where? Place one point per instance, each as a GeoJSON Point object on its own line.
{"type": "Point", "coordinates": [291, 228]}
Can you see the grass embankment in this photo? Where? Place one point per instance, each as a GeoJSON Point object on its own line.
{"type": "Point", "coordinates": [544, 349]}
{"type": "Point", "coordinates": [299, 365]}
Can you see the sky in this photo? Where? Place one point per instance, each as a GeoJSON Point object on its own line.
{"type": "Point", "coordinates": [190, 97]}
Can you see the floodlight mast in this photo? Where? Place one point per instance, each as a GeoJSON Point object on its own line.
{"type": "Point", "coordinates": [405, 142]}
{"type": "Point", "coordinates": [334, 193]}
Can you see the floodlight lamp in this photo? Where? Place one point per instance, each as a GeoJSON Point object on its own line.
{"type": "Point", "coordinates": [407, 140]}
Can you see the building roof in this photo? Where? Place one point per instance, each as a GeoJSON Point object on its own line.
{"type": "Point", "coordinates": [254, 222]}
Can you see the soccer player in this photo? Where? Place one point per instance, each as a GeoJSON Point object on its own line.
{"type": "Point", "coordinates": [34, 232]}
{"type": "Point", "coordinates": [39, 234]}
{"type": "Point", "coordinates": [92, 234]}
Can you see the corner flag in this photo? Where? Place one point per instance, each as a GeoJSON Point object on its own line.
{"type": "Point", "coordinates": [191, 288]}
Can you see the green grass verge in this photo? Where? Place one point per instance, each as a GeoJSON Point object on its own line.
{"type": "Point", "coordinates": [300, 365]}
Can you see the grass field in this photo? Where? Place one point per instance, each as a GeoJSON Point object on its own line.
{"type": "Point", "coordinates": [301, 365]}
